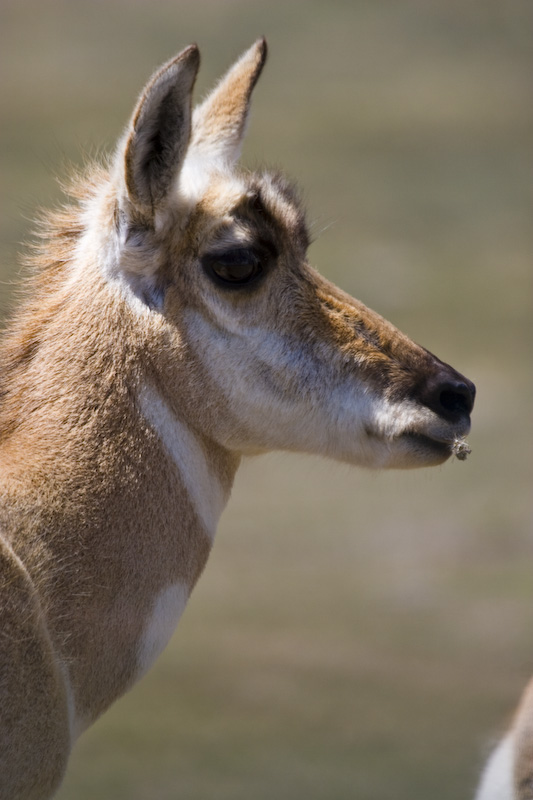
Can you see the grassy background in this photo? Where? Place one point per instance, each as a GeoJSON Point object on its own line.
{"type": "Point", "coordinates": [355, 635]}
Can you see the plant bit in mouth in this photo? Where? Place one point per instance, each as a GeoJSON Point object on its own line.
{"type": "Point", "coordinates": [460, 448]}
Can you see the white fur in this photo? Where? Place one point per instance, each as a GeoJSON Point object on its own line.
{"type": "Point", "coordinates": [167, 609]}
{"type": "Point", "coordinates": [236, 362]}
{"type": "Point", "coordinates": [497, 780]}
{"type": "Point", "coordinates": [205, 490]}
{"type": "Point", "coordinates": [76, 725]}
{"type": "Point", "coordinates": [197, 173]}
{"type": "Point", "coordinates": [193, 179]}
{"type": "Point", "coordinates": [336, 416]}
{"type": "Point", "coordinates": [277, 202]}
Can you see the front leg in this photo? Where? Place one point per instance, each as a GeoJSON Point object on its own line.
{"type": "Point", "coordinates": [34, 718]}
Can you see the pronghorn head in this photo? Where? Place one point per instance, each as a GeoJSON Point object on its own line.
{"type": "Point", "coordinates": [214, 261]}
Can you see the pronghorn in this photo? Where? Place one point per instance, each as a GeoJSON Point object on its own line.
{"type": "Point", "coordinates": [173, 326]}
{"type": "Point", "coordinates": [509, 771]}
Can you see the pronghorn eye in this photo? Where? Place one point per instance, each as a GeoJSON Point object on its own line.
{"type": "Point", "coordinates": [234, 267]}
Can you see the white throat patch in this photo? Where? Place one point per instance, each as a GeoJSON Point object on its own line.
{"type": "Point", "coordinates": [204, 488]}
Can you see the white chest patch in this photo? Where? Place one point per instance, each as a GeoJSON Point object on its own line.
{"type": "Point", "coordinates": [167, 609]}
{"type": "Point", "coordinates": [205, 490]}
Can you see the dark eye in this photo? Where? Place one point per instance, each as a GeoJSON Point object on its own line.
{"type": "Point", "coordinates": [235, 267]}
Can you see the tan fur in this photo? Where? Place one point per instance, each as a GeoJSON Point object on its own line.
{"type": "Point", "coordinates": [98, 517]}
{"type": "Point", "coordinates": [222, 111]}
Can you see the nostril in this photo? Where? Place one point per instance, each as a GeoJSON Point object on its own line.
{"type": "Point", "coordinates": [450, 396]}
{"type": "Point", "coordinates": [457, 399]}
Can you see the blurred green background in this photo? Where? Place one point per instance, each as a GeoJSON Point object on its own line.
{"type": "Point", "coordinates": [355, 635]}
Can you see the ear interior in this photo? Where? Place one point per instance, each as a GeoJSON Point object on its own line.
{"type": "Point", "coordinates": [159, 132]}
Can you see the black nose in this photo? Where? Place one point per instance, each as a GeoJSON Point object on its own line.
{"type": "Point", "coordinates": [449, 394]}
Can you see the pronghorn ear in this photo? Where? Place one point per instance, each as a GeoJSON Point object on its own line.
{"type": "Point", "coordinates": [159, 132]}
{"type": "Point", "coordinates": [219, 123]}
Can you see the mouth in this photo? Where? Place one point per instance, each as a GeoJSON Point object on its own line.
{"type": "Point", "coordinates": [438, 450]}
{"type": "Point", "coordinates": [425, 445]}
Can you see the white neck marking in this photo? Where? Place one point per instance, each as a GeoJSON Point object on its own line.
{"type": "Point", "coordinates": [168, 607]}
{"type": "Point", "coordinates": [204, 488]}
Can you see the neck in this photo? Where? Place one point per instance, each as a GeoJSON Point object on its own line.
{"type": "Point", "coordinates": [119, 496]}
